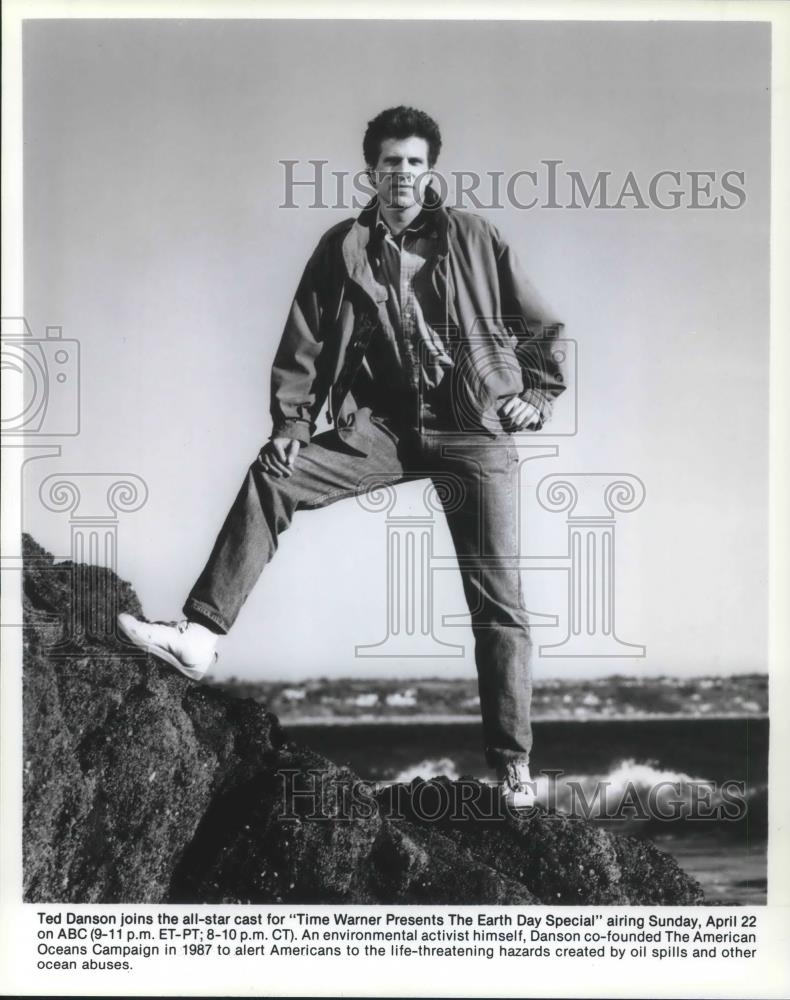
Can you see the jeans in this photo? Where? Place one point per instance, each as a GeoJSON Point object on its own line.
{"type": "Point", "coordinates": [476, 480]}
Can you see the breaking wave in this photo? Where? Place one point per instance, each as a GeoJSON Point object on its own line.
{"type": "Point", "coordinates": [634, 790]}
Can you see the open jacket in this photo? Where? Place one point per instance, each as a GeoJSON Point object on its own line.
{"type": "Point", "coordinates": [500, 334]}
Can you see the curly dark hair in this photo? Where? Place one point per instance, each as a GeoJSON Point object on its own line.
{"type": "Point", "coordinates": [401, 123]}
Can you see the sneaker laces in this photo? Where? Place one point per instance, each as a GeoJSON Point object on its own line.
{"type": "Point", "coordinates": [180, 625]}
{"type": "Point", "coordinates": [517, 776]}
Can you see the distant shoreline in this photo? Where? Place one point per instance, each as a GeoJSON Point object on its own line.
{"type": "Point", "coordinates": [427, 719]}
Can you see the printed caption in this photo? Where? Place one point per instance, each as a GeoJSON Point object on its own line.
{"type": "Point", "coordinates": [72, 940]}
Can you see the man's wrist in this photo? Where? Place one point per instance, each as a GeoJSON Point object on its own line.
{"type": "Point", "coordinates": [541, 402]}
{"type": "Point", "coordinates": [296, 430]}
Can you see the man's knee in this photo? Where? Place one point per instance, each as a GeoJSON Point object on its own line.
{"type": "Point", "coordinates": [501, 614]}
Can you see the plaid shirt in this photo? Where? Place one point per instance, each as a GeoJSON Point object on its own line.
{"type": "Point", "coordinates": [408, 360]}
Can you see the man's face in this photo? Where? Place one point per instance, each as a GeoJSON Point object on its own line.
{"type": "Point", "coordinates": [402, 173]}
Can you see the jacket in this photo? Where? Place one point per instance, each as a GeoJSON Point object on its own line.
{"type": "Point", "coordinates": [499, 331]}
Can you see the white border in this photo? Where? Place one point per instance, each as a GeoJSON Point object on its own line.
{"type": "Point", "coordinates": [767, 978]}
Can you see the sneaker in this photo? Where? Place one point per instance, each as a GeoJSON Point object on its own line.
{"type": "Point", "coordinates": [517, 788]}
{"type": "Point", "coordinates": [187, 646]}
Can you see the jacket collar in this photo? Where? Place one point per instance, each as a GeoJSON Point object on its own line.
{"type": "Point", "coordinates": [356, 242]}
{"type": "Point", "coordinates": [423, 223]}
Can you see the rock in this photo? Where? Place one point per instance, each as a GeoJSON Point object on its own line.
{"type": "Point", "coordinates": [142, 787]}
{"type": "Point", "coordinates": [562, 859]}
{"type": "Point", "coordinates": [122, 758]}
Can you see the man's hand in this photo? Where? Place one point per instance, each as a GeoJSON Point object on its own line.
{"type": "Point", "coordinates": [517, 414]}
{"type": "Point", "coordinates": [278, 456]}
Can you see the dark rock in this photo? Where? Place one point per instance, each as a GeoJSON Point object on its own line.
{"type": "Point", "coordinates": [140, 786]}
{"type": "Point", "coordinates": [563, 859]}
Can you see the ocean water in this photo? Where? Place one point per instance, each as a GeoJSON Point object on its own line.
{"type": "Point", "coordinates": [673, 767]}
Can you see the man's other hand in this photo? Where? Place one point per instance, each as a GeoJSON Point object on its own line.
{"type": "Point", "coordinates": [517, 414]}
{"type": "Point", "coordinates": [278, 456]}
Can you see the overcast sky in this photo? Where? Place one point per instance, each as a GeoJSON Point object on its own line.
{"type": "Point", "coordinates": [153, 236]}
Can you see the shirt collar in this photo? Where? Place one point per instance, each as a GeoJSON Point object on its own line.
{"type": "Point", "coordinates": [423, 223]}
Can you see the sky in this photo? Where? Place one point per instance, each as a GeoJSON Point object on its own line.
{"type": "Point", "coordinates": [154, 237]}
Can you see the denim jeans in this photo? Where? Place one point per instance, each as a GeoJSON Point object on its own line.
{"type": "Point", "coordinates": [476, 480]}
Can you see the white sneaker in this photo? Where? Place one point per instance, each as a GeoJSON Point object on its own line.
{"type": "Point", "coordinates": [517, 788]}
{"type": "Point", "coordinates": [187, 646]}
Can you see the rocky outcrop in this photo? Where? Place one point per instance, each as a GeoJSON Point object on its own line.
{"type": "Point", "coordinates": [140, 786]}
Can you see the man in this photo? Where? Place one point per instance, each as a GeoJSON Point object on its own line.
{"type": "Point", "coordinates": [416, 324]}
